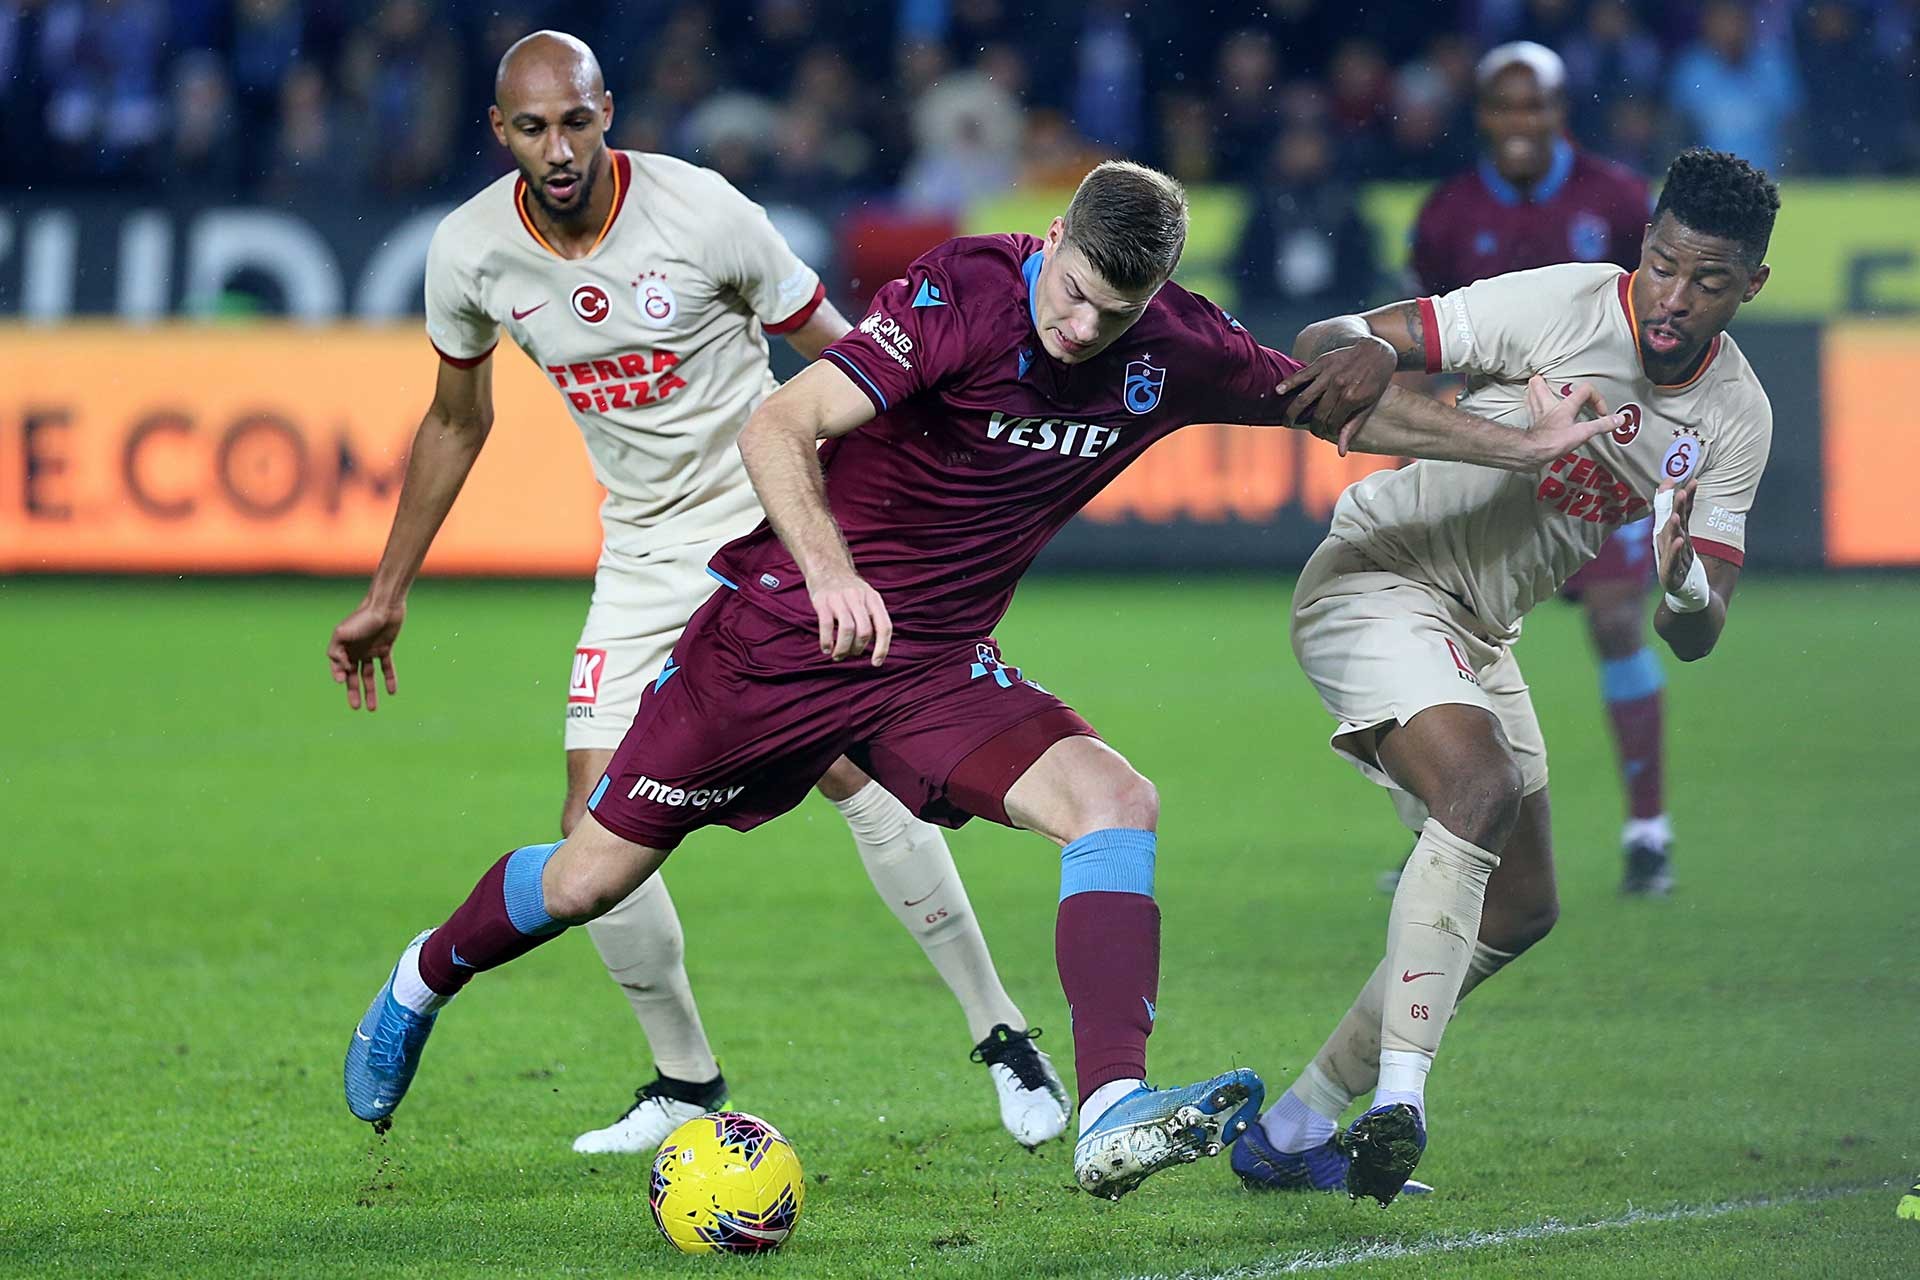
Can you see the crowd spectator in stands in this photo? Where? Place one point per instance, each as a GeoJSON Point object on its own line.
{"type": "Point", "coordinates": [102, 65]}
{"type": "Point", "coordinates": [405, 75]}
{"type": "Point", "coordinates": [202, 159]}
{"type": "Point", "coordinates": [1735, 91]}
{"type": "Point", "coordinates": [1305, 245]}
{"type": "Point", "coordinates": [312, 159]}
{"type": "Point", "coordinates": [967, 134]}
{"type": "Point", "coordinates": [1852, 124]}
{"type": "Point", "coordinates": [1246, 105]}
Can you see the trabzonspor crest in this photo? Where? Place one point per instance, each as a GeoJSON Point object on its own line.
{"type": "Point", "coordinates": [1141, 392]}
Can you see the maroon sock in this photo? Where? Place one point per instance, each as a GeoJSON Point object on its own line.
{"type": "Point", "coordinates": [1637, 734]}
{"type": "Point", "coordinates": [1108, 948]}
{"type": "Point", "coordinates": [481, 934]}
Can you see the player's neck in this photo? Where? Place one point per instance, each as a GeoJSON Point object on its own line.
{"type": "Point", "coordinates": [576, 236]}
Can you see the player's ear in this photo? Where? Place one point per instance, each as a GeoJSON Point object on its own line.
{"type": "Point", "coordinates": [606, 110]}
{"type": "Point", "coordinates": [1056, 232]}
{"type": "Point", "coordinates": [1756, 281]}
{"type": "Point", "coordinates": [499, 123]}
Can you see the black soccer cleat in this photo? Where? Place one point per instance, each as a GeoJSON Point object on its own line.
{"type": "Point", "coordinates": [1385, 1146]}
{"type": "Point", "coordinates": [1649, 872]}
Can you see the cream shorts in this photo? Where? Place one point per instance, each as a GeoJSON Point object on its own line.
{"type": "Point", "coordinates": [1381, 647]}
{"type": "Point", "coordinates": [640, 606]}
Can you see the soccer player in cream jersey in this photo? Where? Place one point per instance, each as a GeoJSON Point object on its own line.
{"type": "Point", "coordinates": [641, 285]}
{"type": "Point", "coordinates": [1405, 618]}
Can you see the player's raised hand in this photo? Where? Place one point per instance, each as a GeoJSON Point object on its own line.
{"type": "Point", "coordinates": [1557, 422]}
{"type": "Point", "coordinates": [363, 638]}
{"type": "Point", "coordinates": [1672, 544]}
{"type": "Point", "coordinates": [1339, 387]}
{"type": "Point", "coordinates": [852, 617]}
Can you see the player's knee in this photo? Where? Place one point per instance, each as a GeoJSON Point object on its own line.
{"type": "Point", "coordinates": [1133, 802]}
{"type": "Point", "coordinates": [1483, 806]}
{"type": "Point", "coordinates": [1530, 925]}
{"type": "Point", "coordinates": [581, 891]}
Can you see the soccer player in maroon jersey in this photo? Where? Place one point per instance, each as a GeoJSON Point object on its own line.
{"type": "Point", "coordinates": [1533, 200]}
{"type": "Point", "coordinates": [982, 401]}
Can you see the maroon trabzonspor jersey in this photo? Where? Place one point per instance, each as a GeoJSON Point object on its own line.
{"type": "Point", "coordinates": [1478, 226]}
{"type": "Point", "coordinates": [983, 446]}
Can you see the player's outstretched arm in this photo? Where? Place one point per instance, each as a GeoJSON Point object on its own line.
{"type": "Point", "coordinates": [443, 451]}
{"type": "Point", "coordinates": [1698, 588]}
{"type": "Point", "coordinates": [1415, 426]}
{"type": "Point", "coordinates": [779, 447]}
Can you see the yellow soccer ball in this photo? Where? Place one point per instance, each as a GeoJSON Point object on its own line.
{"type": "Point", "coordinates": [726, 1183]}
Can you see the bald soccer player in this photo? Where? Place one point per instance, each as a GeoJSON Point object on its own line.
{"type": "Point", "coordinates": [1406, 616]}
{"type": "Point", "coordinates": [643, 287]}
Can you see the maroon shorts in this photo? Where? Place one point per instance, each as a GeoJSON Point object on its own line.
{"type": "Point", "coordinates": [1626, 557]}
{"type": "Point", "coordinates": [747, 715]}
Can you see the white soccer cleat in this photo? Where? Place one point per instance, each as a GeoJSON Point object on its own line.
{"type": "Point", "coordinates": [1154, 1129]}
{"type": "Point", "coordinates": [658, 1109]}
{"type": "Point", "coordinates": [1033, 1102]}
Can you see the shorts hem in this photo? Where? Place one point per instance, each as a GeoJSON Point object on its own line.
{"type": "Point", "coordinates": [634, 834]}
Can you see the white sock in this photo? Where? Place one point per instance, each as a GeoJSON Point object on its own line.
{"type": "Point", "coordinates": [410, 990]}
{"type": "Point", "coordinates": [645, 951]}
{"type": "Point", "coordinates": [1656, 831]}
{"type": "Point", "coordinates": [1403, 1078]}
{"type": "Point", "coordinates": [1292, 1125]}
{"type": "Point", "coordinates": [912, 870]}
{"type": "Point", "coordinates": [1104, 1097]}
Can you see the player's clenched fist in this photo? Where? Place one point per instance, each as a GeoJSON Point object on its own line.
{"type": "Point", "coordinates": [852, 617]}
{"type": "Point", "coordinates": [365, 637]}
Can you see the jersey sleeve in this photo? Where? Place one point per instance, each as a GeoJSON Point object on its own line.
{"type": "Point", "coordinates": [459, 329]}
{"type": "Point", "coordinates": [1498, 328]}
{"type": "Point", "coordinates": [912, 339]}
{"type": "Point", "coordinates": [1239, 387]}
{"type": "Point", "coordinates": [1729, 483]}
{"type": "Point", "coordinates": [754, 260]}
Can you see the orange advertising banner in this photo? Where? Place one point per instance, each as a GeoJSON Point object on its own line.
{"type": "Point", "coordinates": [193, 449]}
{"type": "Point", "coordinates": [1871, 451]}
{"type": "Point", "coordinates": [190, 449]}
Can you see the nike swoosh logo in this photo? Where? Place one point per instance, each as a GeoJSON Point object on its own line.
{"type": "Point", "coordinates": [454, 952]}
{"type": "Point", "coordinates": [1409, 977]}
{"type": "Point", "coordinates": [361, 1035]}
{"type": "Point", "coordinates": [518, 314]}
{"type": "Point", "coordinates": [928, 894]}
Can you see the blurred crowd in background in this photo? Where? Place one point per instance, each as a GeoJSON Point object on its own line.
{"type": "Point", "coordinates": [923, 106]}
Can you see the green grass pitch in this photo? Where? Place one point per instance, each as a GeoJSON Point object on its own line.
{"type": "Point", "coordinates": [210, 864]}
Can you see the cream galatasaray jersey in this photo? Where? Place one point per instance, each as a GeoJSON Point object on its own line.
{"type": "Point", "coordinates": [1502, 541]}
{"type": "Point", "coordinates": [654, 339]}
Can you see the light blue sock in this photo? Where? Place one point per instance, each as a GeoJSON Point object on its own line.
{"type": "Point", "coordinates": [526, 899]}
{"type": "Point", "coordinates": [1115, 860]}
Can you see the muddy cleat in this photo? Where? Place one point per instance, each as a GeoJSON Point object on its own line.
{"type": "Point", "coordinates": [1264, 1167]}
{"type": "Point", "coordinates": [1150, 1129]}
{"type": "Point", "coordinates": [1649, 871]}
{"type": "Point", "coordinates": [659, 1107]}
{"type": "Point", "coordinates": [1385, 1146]}
{"type": "Point", "coordinates": [1909, 1206]}
{"type": "Point", "coordinates": [385, 1052]}
{"type": "Point", "coordinates": [1033, 1102]}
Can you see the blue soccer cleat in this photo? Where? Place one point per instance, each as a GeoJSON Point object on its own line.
{"type": "Point", "coordinates": [1385, 1146]}
{"type": "Point", "coordinates": [1264, 1167]}
{"type": "Point", "coordinates": [1150, 1129]}
{"type": "Point", "coordinates": [385, 1052]}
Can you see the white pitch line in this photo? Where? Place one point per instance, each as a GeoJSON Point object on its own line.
{"type": "Point", "coordinates": [1386, 1251]}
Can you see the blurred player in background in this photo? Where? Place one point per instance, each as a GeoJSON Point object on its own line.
{"type": "Point", "coordinates": [1405, 617]}
{"type": "Point", "coordinates": [1533, 200]}
{"type": "Point", "coordinates": [984, 399]}
{"type": "Point", "coordinates": [641, 285]}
